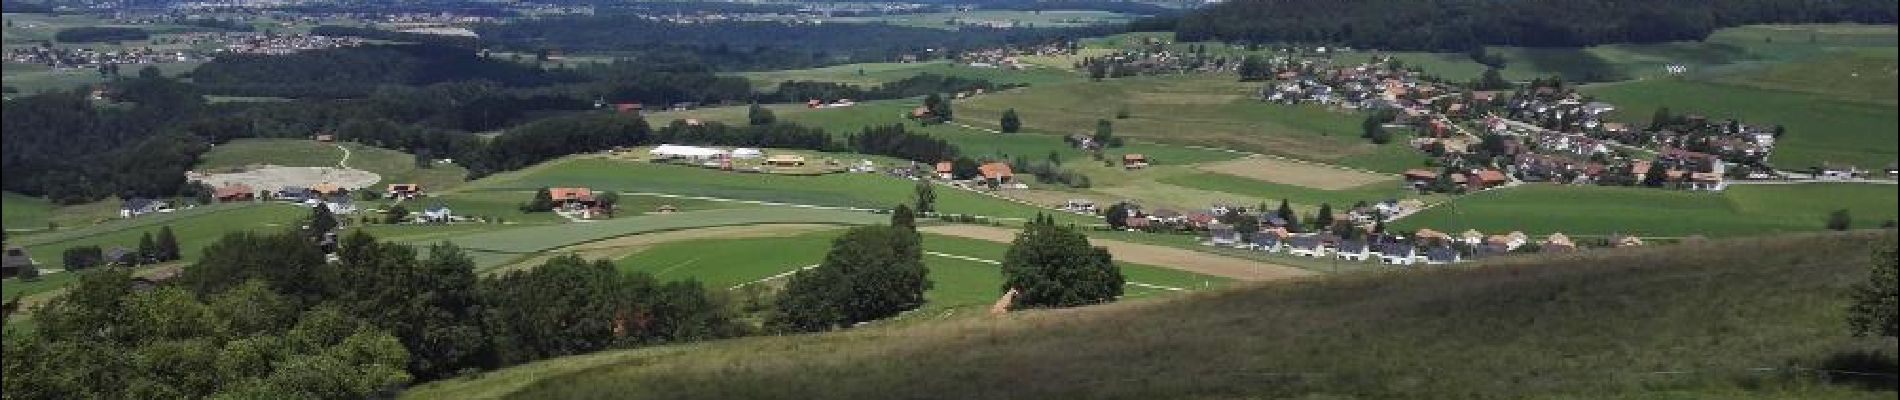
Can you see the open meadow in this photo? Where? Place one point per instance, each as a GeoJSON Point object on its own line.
{"type": "Point", "coordinates": [867, 75]}
{"type": "Point", "coordinates": [195, 228]}
{"type": "Point", "coordinates": [1542, 209]}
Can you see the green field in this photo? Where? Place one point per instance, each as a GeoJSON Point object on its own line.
{"type": "Point", "coordinates": [1203, 110]}
{"type": "Point", "coordinates": [18, 211]}
{"type": "Point", "coordinates": [722, 263]}
{"type": "Point", "coordinates": [195, 228]}
{"type": "Point", "coordinates": [1729, 320]}
{"type": "Point", "coordinates": [1601, 210]}
{"type": "Point", "coordinates": [1272, 192]}
{"type": "Point", "coordinates": [30, 79]}
{"type": "Point", "coordinates": [393, 166]}
{"type": "Point", "coordinates": [872, 74]}
{"type": "Point", "coordinates": [507, 244]}
{"type": "Point", "coordinates": [1820, 128]}
{"type": "Point", "coordinates": [841, 190]}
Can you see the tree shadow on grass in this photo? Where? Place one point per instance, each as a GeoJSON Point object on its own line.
{"type": "Point", "coordinates": [1870, 370]}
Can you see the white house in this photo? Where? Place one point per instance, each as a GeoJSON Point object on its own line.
{"type": "Point", "coordinates": [1353, 250]}
{"type": "Point", "coordinates": [1397, 254]}
{"type": "Point", "coordinates": [438, 213]}
{"type": "Point", "coordinates": [747, 153]}
{"type": "Point", "coordinates": [1306, 246]}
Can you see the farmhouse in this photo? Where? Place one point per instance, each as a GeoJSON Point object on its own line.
{"type": "Point", "coordinates": [1306, 246]}
{"type": "Point", "coordinates": [997, 173]}
{"type": "Point", "coordinates": [572, 198]}
{"type": "Point", "coordinates": [235, 192]}
{"type": "Point", "coordinates": [403, 190]}
{"type": "Point", "coordinates": [16, 263]}
{"type": "Point", "coordinates": [327, 189]}
{"type": "Point", "coordinates": [1134, 161]}
{"type": "Point", "coordinates": [1222, 235]}
{"type": "Point", "coordinates": [944, 170]}
{"type": "Point", "coordinates": [1267, 242]}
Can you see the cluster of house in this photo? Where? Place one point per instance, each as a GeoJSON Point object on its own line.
{"type": "Point", "coordinates": [1370, 85]}
{"type": "Point", "coordinates": [279, 44]}
{"type": "Point", "coordinates": [1423, 247]}
{"type": "Point", "coordinates": [1363, 216]}
{"type": "Point", "coordinates": [993, 174]}
{"type": "Point", "coordinates": [79, 57]}
{"type": "Point", "coordinates": [1011, 57]}
{"type": "Point", "coordinates": [735, 158]}
{"type": "Point", "coordinates": [577, 202]}
{"type": "Point", "coordinates": [1469, 180]}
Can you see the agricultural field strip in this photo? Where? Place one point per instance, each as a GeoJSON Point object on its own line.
{"type": "Point", "coordinates": [1185, 146]}
{"type": "Point", "coordinates": [994, 262]}
{"type": "Point", "coordinates": [938, 254]}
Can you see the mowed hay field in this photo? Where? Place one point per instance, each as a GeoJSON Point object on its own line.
{"type": "Point", "coordinates": [1215, 111]}
{"type": "Point", "coordinates": [18, 211]}
{"type": "Point", "coordinates": [1601, 210]}
{"type": "Point", "coordinates": [1690, 322]}
{"type": "Point", "coordinates": [393, 166]}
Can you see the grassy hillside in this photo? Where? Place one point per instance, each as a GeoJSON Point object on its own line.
{"type": "Point", "coordinates": [195, 229]}
{"type": "Point", "coordinates": [20, 211]}
{"type": "Point", "coordinates": [1603, 210]}
{"type": "Point", "coordinates": [1821, 128]}
{"type": "Point", "coordinates": [1692, 321]}
{"type": "Point", "coordinates": [393, 166]}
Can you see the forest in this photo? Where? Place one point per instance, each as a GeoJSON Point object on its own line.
{"type": "Point", "coordinates": [1459, 25]}
{"type": "Point", "coordinates": [263, 315]}
{"type": "Point", "coordinates": [87, 34]}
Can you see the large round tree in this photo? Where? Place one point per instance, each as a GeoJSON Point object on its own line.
{"type": "Point", "coordinates": [1054, 266]}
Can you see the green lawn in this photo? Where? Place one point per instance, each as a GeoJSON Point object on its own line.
{"type": "Point", "coordinates": [1599, 210]}
{"type": "Point", "coordinates": [18, 211]}
{"type": "Point", "coordinates": [195, 228]}
{"type": "Point", "coordinates": [1820, 128]}
{"type": "Point", "coordinates": [393, 166]}
{"type": "Point", "coordinates": [844, 189]}
{"type": "Point", "coordinates": [536, 238]}
{"type": "Point", "coordinates": [1272, 192]}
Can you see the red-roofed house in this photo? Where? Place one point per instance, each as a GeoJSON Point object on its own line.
{"type": "Point", "coordinates": [235, 192]}
{"type": "Point", "coordinates": [998, 173]}
{"type": "Point", "coordinates": [945, 171]}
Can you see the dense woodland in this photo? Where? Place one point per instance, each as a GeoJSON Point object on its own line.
{"type": "Point", "coordinates": [357, 71]}
{"type": "Point", "coordinates": [264, 316]}
{"type": "Point", "coordinates": [1458, 25]}
{"type": "Point", "coordinates": [85, 34]}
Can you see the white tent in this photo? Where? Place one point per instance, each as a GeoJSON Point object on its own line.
{"type": "Point", "coordinates": [747, 152]}
{"type": "Point", "coordinates": [669, 151]}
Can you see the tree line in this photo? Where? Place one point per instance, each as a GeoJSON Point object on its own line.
{"type": "Point", "coordinates": [1460, 25]}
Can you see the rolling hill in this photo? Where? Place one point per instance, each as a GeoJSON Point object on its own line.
{"type": "Point", "coordinates": [1746, 318]}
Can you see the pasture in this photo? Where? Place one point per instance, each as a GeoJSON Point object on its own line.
{"type": "Point", "coordinates": [1271, 193]}
{"type": "Point", "coordinates": [194, 228]}
{"type": "Point", "coordinates": [1599, 210]}
{"type": "Point", "coordinates": [538, 238]}
{"type": "Point", "coordinates": [18, 211]}
{"type": "Point", "coordinates": [1202, 110]}
{"type": "Point", "coordinates": [393, 166]}
{"type": "Point", "coordinates": [1821, 128]}
{"type": "Point", "coordinates": [958, 282]}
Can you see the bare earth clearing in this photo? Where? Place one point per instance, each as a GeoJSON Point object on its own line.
{"type": "Point", "coordinates": [1294, 173]}
{"type": "Point", "coordinates": [1160, 256]}
{"type": "Point", "coordinates": [271, 177]}
{"type": "Point", "coordinates": [615, 248]}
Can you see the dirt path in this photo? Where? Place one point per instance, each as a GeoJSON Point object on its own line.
{"type": "Point", "coordinates": [1160, 256]}
{"type": "Point", "coordinates": [343, 163]}
{"type": "Point", "coordinates": [611, 249]}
